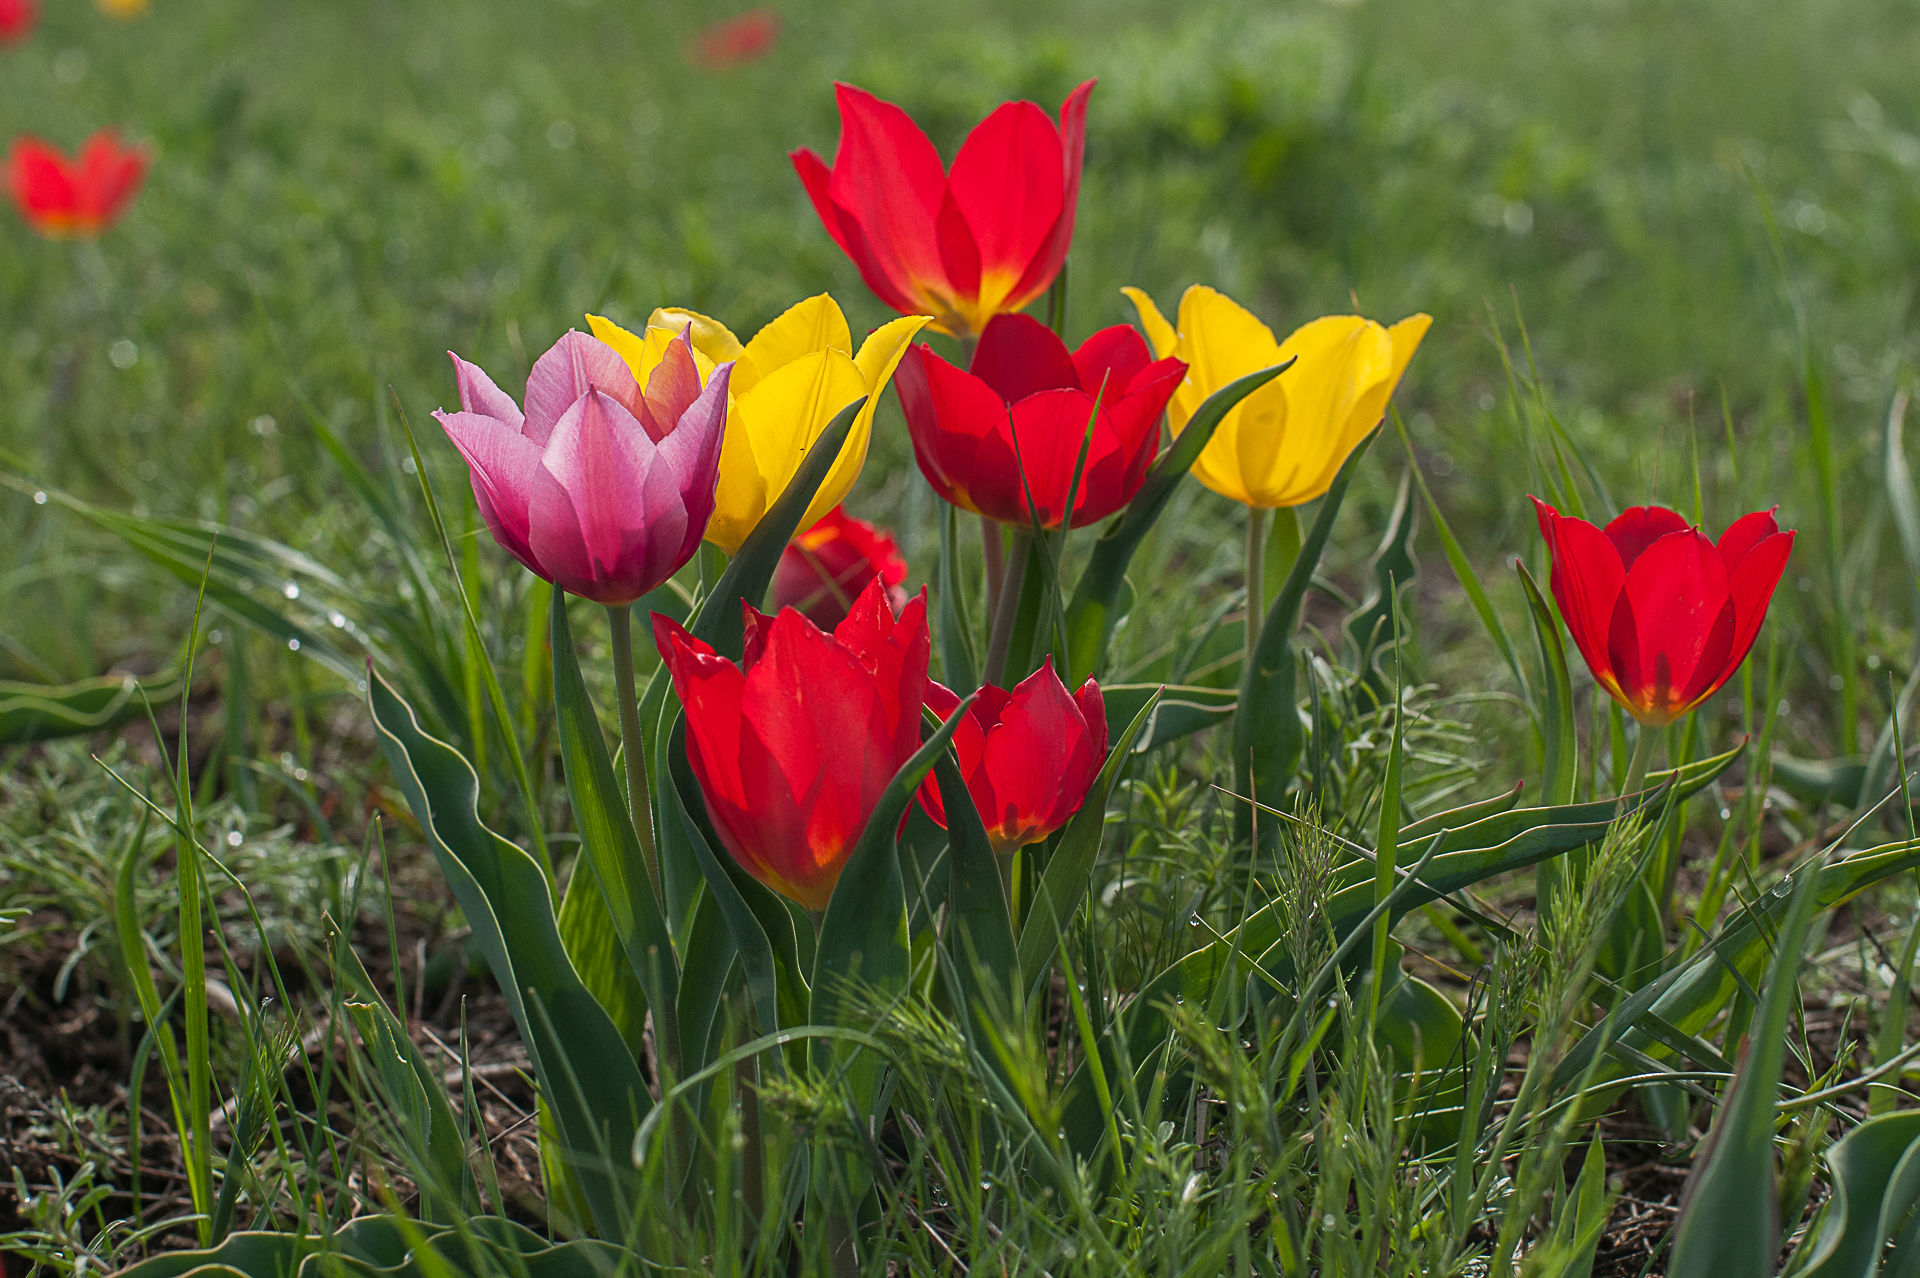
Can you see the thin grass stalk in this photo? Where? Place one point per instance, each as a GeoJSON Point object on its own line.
{"type": "Point", "coordinates": [633, 745]}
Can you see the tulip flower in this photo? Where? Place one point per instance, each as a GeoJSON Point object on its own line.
{"type": "Point", "coordinates": [1283, 444]}
{"type": "Point", "coordinates": [605, 484]}
{"type": "Point", "coordinates": [793, 747]}
{"type": "Point", "coordinates": [735, 41]}
{"type": "Point", "coordinates": [962, 245]}
{"type": "Point", "coordinates": [17, 20]}
{"type": "Point", "coordinates": [1028, 756]}
{"type": "Point", "coordinates": [59, 197]}
{"type": "Point", "coordinates": [1662, 614]}
{"type": "Point", "coordinates": [1025, 386]}
{"type": "Point", "coordinates": [122, 8]}
{"type": "Point", "coordinates": [788, 384]}
{"type": "Point", "coordinates": [828, 565]}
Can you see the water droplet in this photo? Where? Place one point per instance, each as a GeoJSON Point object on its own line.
{"type": "Point", "coordinates": [293, 645]}
{"type": "Point", "coordinates": [338, 620]}
{"type": "Point", "coordinates": [39, 499]}
{"type": "Point", "coordinates": [291, 590]}
{"type": "Point", "coordinates": [1326, 1221]}
{"type": "Point", "coordinates": [1193, 918]}
{"type": "Point", "coordinates": [1726, 814]}
{"type": "Point", "coordinates": [235, 838]}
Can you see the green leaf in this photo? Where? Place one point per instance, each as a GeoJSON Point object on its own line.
{"type": "Point", "coordinates": [1876, 1182]}
{"type": "Point", "coordinates": [1064, 884]}
{"type": "Point", "coordinates": [980, 939]}
{"type": "Point", "coordinates": [1266, 723]}
{"type": "Point", "coordinates": [1558, 722]}
{"type": "Point", "coordinates": [747, 577]}
{"type": "Point", "coordinates": [957, 665]}
{"type": "Point", "coordinates": [583, 1066]}
{"type": "Point", "coordinates": [1095, 605]}
{"type": "Point", "coordinates": [705, 978]}
{"type": "Point", "coordinates": [1730, 1227]}
{"type": "Point", "coordinates": [1178, 710]}
{"type": "Point", "coordinates": [41, 712]}
{"type": "Point", "coordinates": [610, 849]}
{"type": "Point", "coordinates": [591, 941]}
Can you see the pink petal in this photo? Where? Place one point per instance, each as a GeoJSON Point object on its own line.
{"type": "Point", "coordinates": [503, 464]}
{"type": "Point", "coordinates": [574, 365]}
{"type": "Point", "coordinates": [478, 394]}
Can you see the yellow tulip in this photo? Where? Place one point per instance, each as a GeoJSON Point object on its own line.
{"type": "Point", "coordinates": [787, 385]}
{"type": "Point", "coordinates": [1283, 444]}
{"type": "Point", "coordinates": [122, 8]}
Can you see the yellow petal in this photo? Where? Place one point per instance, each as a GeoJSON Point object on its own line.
{"type": "Point", "coordinates": [802, 329]}
{"type": "Point", "coordinates": [769, 431]}
{"type": "Point", "coordinates": [1341, 358]}
{"type": "Point", "coordinates": [643, 354]}
{"type": "Point", "coordinates": [710, 337]}
{"type": "Point", "coordinates": [1221, 340]}
{"type": "Point", "coordinates": [1160, 334]}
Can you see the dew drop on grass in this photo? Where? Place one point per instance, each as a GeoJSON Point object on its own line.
{"type": "Point", "coordinates": [337, 620]}
{"type": "Point", "coordinates": [235, 838]}
{"type": "Point", "coordinates": [291, 590]}
{"type": "Point", "coordinates": [39, 499]}
{"type": "Point", "coordinates": [1326, 1221]}
{"type": "Point", "coordinates": [293, 645]}
{"type": "Point", "coordinates": [1726, 814]}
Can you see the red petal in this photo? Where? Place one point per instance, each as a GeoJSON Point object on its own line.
{"type": "Point", "coordinates": [1034, 773]}
{"type": "Point", "coordinates": [1047, 262]}
{"type": "Point", "coordinates": [1639, 527]}
{"type": "Point", "coordinates": [1050, 428]}
{"type": "Point", "coordinates": [887, 180]}
{"type": "Point", "coordinates": [957, 423]}
{"type": "Point", "coordinates": [1752, 584]}
{"type": "Point", "coordinates": [959, 252]}
{"type": "Point", "coordinates": [1713, 667]}
{"type": "Point", "coordinates": [1743, 534]}
{"type": "Point", "coordinates": [1677, 588]}
{"type": "Point", "coordinates": [710, 688]}
{"type": "Point", "coordinates": [1093, 708]}
{"type": "Point", "coordinates": [1545, 515]}
{"type": "Point", "coordinates": [1009, 182]}
{"type": "Point", "coordinates": [1019, 356]}
{"type": "Point", "coordinates": [943, 701]}
{"type": "Point", "coordinates": [818, 179]}
{"type": "Point", "coordinates": [1113, 356]}
{"type": "Point", "coordinates": [1588, 578]}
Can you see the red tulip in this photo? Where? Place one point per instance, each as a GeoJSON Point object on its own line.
{"type": "Point", "coordinates": [17, 19]}
{"type": "Point", "coordinates": [735, 41]}
{"type": "Point", "coordinates": [960, 245]}
{"type": "Point", "coordinates": [793, 746]}
{"type": "Point", "coordinates": [1028, 756]}
{"type": "Point", "coordinates": [825, 567]}
{"type": "Point", "coordinates": [62, 197]}
{"type": "Point", "coordinates": [1663, 615]}
{"type": "Point", "coordinates": [1025, 384]}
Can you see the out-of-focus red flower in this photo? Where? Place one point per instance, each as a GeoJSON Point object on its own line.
{"type": "Point", "coordinates": [1028, 756]}
{"type": "Point", "coordinates": [735, 41]}
{"type": "Point", "coordinates": [62, 197]}
{"type": "Point", "coordinates": [826, 567]}
{"type": "Point", "coordinates": [1663, 615]}
{"type": "Point", "coordinates": [961, 245]}
{"type": "Point", "coordinates": [17, 20]}
{"type": "Point", "coordinates": [1025, 384]}
{"type": "Point", "coordinates": [793, 746]}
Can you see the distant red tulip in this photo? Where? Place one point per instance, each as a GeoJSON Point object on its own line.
{"type": "Point", "coordinates": [961, 245]}
{"type": "Point", "coordinates": [61, 197]}
{"type": "Point", "coordinates": [793, 746]}
{"type": "Point", "coordinates": [1026, 384]}
{"type": "Point", "coordinates": [17, 20]}
{"type": "Point", "coordinates": [735, 41]}
{"type": "Point", "coordinates": [1663, 615]}
{"type": "Point", "coordinates": [1028, 756]}
{"type": "Point", "coordinates": [826, 567]}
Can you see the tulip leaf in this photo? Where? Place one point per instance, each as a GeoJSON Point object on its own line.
{"type": "Point", "coordinates": [1095, 605]}
{"type": "Point", "coordinates": [1178, 710]}
{"type": "Point", "coordinates": [1064, 885]}
{"type": "Point", "coordinates": [585, 1071]}
{"type": "Point", "coordinates": [370, 1246]}
{"type": "Point", "coordinates": [747, 577]}
{"type": "Point", "coordinates": [752, 915]}
{"type": "Point", "coordinates": [610, 847]}
{"type": "Point", "coordinates": [593, 943]}
{"type": "Point", "coordinates": [981, 935]}
{"type": "Point", "coordinates": [1393, 568]}
{"type": "Point", "coordinates": [1876, 1182]}
{"type": "Point", "coordinates": [1730, 1226]}
{"type": "Point", "coordinates": [955, 629]}
{"type": "Point", "coordinates": [1557, 727]}
{"type": "Point", "coordinates": [863, 937]}
{"type": "Point", "coordinates": [41, 712]}
{"type": "Point", "coordinates": [706, 975]}
{"type": "Point", "coordinates": [1266, 723]}
{"type": "Point", "coordinates": [1454, 818]}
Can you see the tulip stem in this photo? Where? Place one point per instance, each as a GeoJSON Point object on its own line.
{"type": "Point", "coordinates": [1256, 580]}
{"type": "Point", "coordinates": [1001, 637]}
{"type": "Point", "coordinates": [1638, 760]}
{"type": "Point", "coordinates": [633, 748]}
{"type": "Point", "coordinates": [995, 547]}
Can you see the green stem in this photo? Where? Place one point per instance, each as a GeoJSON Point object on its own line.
{"type": "Point", "coordinates": [1256, 582]}
{"type": "Point", "coordinates": [1637, 762]}
{"type": "Point", "coordinates": [1001, 637]}
{"type": "Point", "coordinates": [632, 742]}
{"type": "Point", "coordinates": [995, 547]}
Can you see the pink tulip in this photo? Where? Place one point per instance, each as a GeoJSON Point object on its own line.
{"type": "Point", "coordinates": [602, 486]}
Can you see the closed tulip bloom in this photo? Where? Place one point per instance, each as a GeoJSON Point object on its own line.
{"type": "Point", "coordinates": [1026, 385]}
{"type": "Point", "coordinates": [1028, 756]}
{"type": "Point", "coordinates": [1662, 614]}
{"type": "Point", "coordinates": [793, 746]}
{"type": "Point", "coordinates": [63, 198]}
{"type": "Point", "coordinates": [17, 20]}
{"type": "Point", "coordinates": [605, 484]}
{"type": "Point", "coordinates": [826, 567]}
{"type": "Point", "coordinates": [788, 384]}
{"type": "Point", "coordinates": [961, 245]}
{"type": "Point", "coordinates": [1283, 444]}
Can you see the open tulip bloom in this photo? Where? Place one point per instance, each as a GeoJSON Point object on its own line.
{"type": "Point", "coordinates": [1662, 614]}
{"type": "Point", "coordinates": [793, 746]}
{"type": "Point", "coordinates": [63, 198]}
{"type": "Point", "coordinates": [1028, 756]}
{"type": "Point", "coordinates": [962, 245]}
{"type": "Point", "coordinates": [604, 484]}
{"type": "Point", "coordinates": [788, 384]}
{"type": "Point", "coordinates": [1025, 386]}
{"type": "Point", "coordinates": [826, 567]}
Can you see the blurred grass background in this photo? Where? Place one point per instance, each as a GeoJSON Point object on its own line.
{"type": "Point", "coordinates": [344, 191]}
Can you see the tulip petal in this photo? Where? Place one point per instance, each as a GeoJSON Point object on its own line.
{"type": "Point", "coordinates": [478, 394]}
{"type": "Point", "coordinates": [709, 336]}
{"type": "Point", "coordinates": [1158, 331]}
{"type": "Point", "coordinates": [1093, 709]}
{"type": "Point", "coordinates": [1638, 527]}
{"type": "Point", "coordinates": [574, 365]}
{"type": "Point", "coordinates": [888, 182]}
{"type": "Point", "coordinates": [1009, 182]}
{"type": "Point", "coordinates": [1340, 357]}
{"type": "Point", "coordinates": [691, 451]}
{"type": "Point", "coordinates": [671, 389]}
{"type": "Point", "coordinates": [1050, 429]}
{"type": "Point", "coordinates": [605, 511]}
{"type": "Point", "coordinates": [642, 353]}
{"type": "Point", "coordinates": [1019, 356]}
{"type": "Point", "coordinates": [943, 701]}
{"type": "Point", "coordinates": [503, 464]}
{"type": "Point", "coordinates": [768, 434]}
{"type": "Point", "coordinates": [1111, 357]}
{"type": "Point", "coordinates": [951, 415]}
{"type": "Point", "coordinates": [1588, 582]}
{"type": "Point", "coordinates": [1743, 534]}
{"type": "Point", "coordinates": [1034, 762]}
{"type": "Point", "coordinates": [1714, 665]}
{"type": "Point", "coordinates": [1677, 587]}
{"type": "Point", "coordinates": [1046, 263]}
{"type": "Point", "coordinates": [1752, 584]}
{"type": "Point", "coordinates": [816, 324]}
{"type": "Point", "coordinates": [818, 179]}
